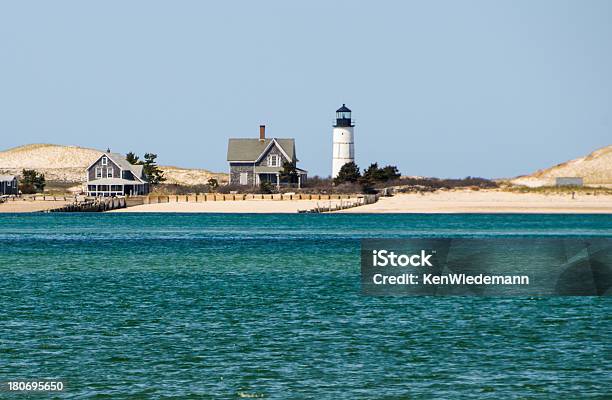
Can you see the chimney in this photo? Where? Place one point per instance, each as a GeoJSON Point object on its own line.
{"type": "Point", "coordinates": [262, 132]}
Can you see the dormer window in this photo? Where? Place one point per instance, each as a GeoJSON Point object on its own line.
{"type": "Point", "coordinates": [104, 161]}
{"type": "Point", "coordinates": [273, 160]}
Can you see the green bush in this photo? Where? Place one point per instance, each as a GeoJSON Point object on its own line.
{"type": "Point", "coordinates": [266, 188]}
{"type": "Point", "coordinates": [32, 181]}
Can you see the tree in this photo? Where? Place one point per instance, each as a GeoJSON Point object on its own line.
{"type": "Point", "coordinates": [348, 173]}
{"type": "Point", "coordinates": [390, 172]}
{"type": "Point", "coordinates": [374, 174]}
{"type": "Point", "coordinates": [151, 170]}
{"type": "Point", "coordinates": [133, 158]}
{"type": "Point", "coordinates": [289, 172]}
{"type": "Point", "coordinates": [32, 181]}
{"type": "Point", "coordinates": [213, 185]}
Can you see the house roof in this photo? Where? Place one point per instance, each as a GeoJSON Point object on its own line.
{"type": "Point", "coordinates": [137, 170]}
{"type": "Point", "coordinates": [123, 163]}
{"type": "Point", "coordinates": [267, 170]}
{"type": "Point", "coordinates": [120, 160]}
{"type": "Point", "coordinates": [273, 170]}
{"type": "Point", "coordinates": [113, 181]}
{"type": "Point", "coordinates": [250, 150]}
{"type": "Point", "coordinates": [7, 178]}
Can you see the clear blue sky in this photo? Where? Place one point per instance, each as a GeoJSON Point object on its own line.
{"type": "Point", "coordinates": [440, 88]}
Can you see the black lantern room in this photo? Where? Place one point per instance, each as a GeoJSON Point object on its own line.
{"type": "Point", "coordinates": [343, 116]}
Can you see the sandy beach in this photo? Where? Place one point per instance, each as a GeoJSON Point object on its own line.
{"type": "Point", "coordinates": [30, 206]}
{"type": "Point", "coordinates": [437, 202]}
{"type": "Point", "coordinates": [243, 206]}
{"type": "Point", "coordinates": [486, 201]}
{"type": "Point", "coordinates": [459, 201]}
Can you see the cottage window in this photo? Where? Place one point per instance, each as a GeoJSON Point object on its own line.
{"type": "Point", "coordinates": [98, 172]}
{"type": "Point", "coordinates": [109, 172]}
{"type": "Point", "coordinates": [244, 178]}
{"type": "Point", "coordinates": [104, 161]}
{"type": "Point", "coordinates": [273, 161]}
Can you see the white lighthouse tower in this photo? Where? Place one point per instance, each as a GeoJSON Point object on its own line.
{"type": "Point", "coordinates": [343, 147]}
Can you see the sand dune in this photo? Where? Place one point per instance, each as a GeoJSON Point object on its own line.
{"type": "Point", "coordinates": [68, 163]}
{"type": "Point", "coordinates": [595, 168]}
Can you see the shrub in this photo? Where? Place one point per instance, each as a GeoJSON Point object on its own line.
{"type": "Point", "coordinates": [32, 181]}
{"type": "Point", "coordinates": [266, 188]}
{"type": "Point", "coordinates": [213, 185]}
{"type": "Point", "coordinates": [173, 188]}
{"type": "Point", "coordinates": [428, 184]}
{"type": "Point", "coordinates": [27, 188]}
{"type": "Point", "coordinates": [348, 188]}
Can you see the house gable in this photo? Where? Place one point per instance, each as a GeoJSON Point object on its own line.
{"type": "Point", "coordinates": [273, 148]}
{"type": "Point", "coordinates": [120, 167]}
{"type": "Point", "coordinates": [251, 150]}
{"type": "Point", "coordinates": [274, 151]}
{"type": "Point", "coordinates": [104, 167]}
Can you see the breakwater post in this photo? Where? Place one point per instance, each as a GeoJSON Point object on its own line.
{"type": "Point", "coordinates": [342, 205]}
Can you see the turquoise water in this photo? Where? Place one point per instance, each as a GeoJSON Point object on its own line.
{"type": "Point", "coordinates": [231, 306]}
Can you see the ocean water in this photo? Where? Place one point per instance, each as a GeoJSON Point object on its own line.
{"type": "Point", "coordinates": [269, 306]}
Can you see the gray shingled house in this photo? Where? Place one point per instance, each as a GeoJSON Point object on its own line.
{"type": "Point", "coordinates": [9, 184]}
{"type": "Point", "coordinates": [253, 161]}
{"type": "Point", "coordinates": [112, 175]}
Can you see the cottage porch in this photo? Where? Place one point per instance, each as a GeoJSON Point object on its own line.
{"type": "Point", "coordinates": [108, 187]}
{"type": "Point", "coordinates": [272, 175]}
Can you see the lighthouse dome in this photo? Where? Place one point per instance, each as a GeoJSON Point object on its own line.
{"type": "Point", "coordinates": [343, 116]}
{"type": "Point", "coordinates": [344, 108]}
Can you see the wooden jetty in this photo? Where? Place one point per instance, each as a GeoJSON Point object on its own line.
{"type": "Point", "coordinates": [97, 204]}
{"type": "Point", "coordinates": [342, 205]}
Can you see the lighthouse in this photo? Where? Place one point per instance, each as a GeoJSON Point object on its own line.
{"type": "Point", "coordinates": [343, 146]}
